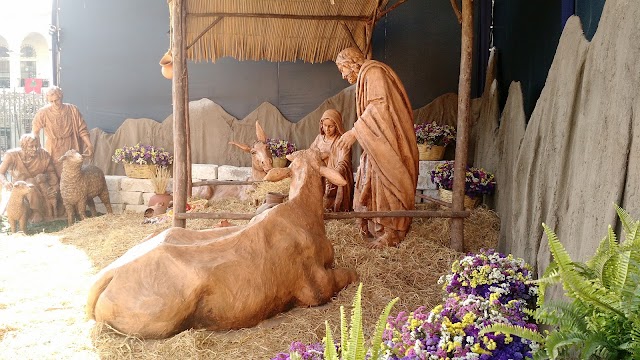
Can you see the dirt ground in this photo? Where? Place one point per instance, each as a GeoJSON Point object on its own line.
{"type": "Point", "coordinates": [44, 279]}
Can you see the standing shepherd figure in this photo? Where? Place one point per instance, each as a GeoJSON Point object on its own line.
{"type": "Point", "coordinates": [388, 173]}
{"type": "Point", "coordinates": [63, 126]}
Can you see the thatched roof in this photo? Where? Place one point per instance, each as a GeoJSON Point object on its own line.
{"type": "Point", "coordinates": [278, 30]}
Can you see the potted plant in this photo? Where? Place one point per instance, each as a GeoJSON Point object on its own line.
{"type": "Point", "coordinates": [160, 200]}
{"type": "Point", "coordinates": [432, 139]}
{"type": "Point", "coordinates": [478, 182]}
{"type": "Point", "coordinates": [140, 161]}
{"type": "Point", "coordinates": [279, 149]}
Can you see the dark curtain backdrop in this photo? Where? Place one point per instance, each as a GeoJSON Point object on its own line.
{"type": "Point", "coordinates": [526, 35]}
{"type": "Point", "coordinates": [110, 52]}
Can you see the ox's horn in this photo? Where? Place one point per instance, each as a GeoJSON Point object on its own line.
{"type": "Point", "coordinates": [243, 147]}
{"type": "Point", "coordinates": [277, 174]}
{"type": "Point", "coordinates": [261, 136]}
{"type": "Point", "coordinates": [333, 176]}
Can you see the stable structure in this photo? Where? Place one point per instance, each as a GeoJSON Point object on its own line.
{"type": "Point", "coordinates": [285, 30]}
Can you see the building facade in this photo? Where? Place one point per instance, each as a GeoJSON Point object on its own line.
{"type": "Point", "coordinates": [25, 45]}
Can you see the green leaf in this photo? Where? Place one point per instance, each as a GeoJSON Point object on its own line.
{"type": "Point", "coordinates": [329, 347]}
{"type": "Point", "coordinates": [382, 323]}
{"type": "Point", "coordinates": [514, 330]}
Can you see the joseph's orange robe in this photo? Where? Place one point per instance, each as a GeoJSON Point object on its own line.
{"type": "Point", "coordinates": [388, 173]}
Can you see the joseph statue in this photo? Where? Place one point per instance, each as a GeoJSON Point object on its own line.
{"type": "Point", "coordinates": [64, 128]}
{"type": "Point", "coordinates": [388, 173]}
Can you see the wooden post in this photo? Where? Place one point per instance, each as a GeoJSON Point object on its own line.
{"type": "Point", "coordinates": [462, 138]}
{"type": "Point", "coordinates": [187, 129]}
{"type": "Point", "coordinates": [178, 22]}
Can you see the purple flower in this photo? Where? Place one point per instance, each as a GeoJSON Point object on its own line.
{"type": "Point", "coordinates": [281, 148]}
{"type": "Point", "coordinates": [143, 155]}
{"type": "Point", "coordinates": [477, 180]}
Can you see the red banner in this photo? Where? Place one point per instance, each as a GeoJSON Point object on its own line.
{"type": "Point", "coordinates": [32, 85]}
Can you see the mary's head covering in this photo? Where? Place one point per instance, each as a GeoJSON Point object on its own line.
{"type": "Point", "coordinates": [333, 115]}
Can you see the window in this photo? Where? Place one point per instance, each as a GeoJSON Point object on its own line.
{"type": "Point", "coordinates": [27, 63]}
{"type": "Point", "coordinates": [5, 68]}
{"type": "Point", "coordinates": [27, 51]}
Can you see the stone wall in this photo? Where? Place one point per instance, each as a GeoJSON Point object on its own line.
{"type": "Point", "coordinates": [129, 194]}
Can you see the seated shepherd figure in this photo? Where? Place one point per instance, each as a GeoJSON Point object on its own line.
{"type": "Point", "coordinates": [25, 164]}
{"type": "Point", "coordinates": [230, 277]}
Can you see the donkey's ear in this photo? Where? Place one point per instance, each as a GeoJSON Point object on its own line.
{"type": "Point", "coordinates": [243, 147]}
{"type": "Point", "coordinates": [260, 135]}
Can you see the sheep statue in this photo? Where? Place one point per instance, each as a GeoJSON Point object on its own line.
{"type": "Point", "coordinates": [18, 207]}
{"type": "Point", "coordinates": [79, 184]}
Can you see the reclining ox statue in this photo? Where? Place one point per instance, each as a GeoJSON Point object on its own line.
{"type": "Point", "coordinates": [231, 277]}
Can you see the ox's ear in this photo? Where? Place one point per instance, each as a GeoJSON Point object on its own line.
{"type": "Point", "coordinates": [260, 135]}
{"type": "Point", "coordinates": [243, 147]}
{"type": "Point", "coordinates": [333, 176]}
{"type": "Point", "coordinates": [277, 174]}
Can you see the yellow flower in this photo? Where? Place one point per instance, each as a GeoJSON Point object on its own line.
{"type": "Point", "coordinates": [479, 350]}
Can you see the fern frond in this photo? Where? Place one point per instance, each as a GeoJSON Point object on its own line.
{"type": "Point", "coordinates": [620, 273]}
{"type": "Point", "coordinates": [559, 342]}
{"type": "Point", "coordinates": [376, 341]}
{"type": "Point", "coordinates": [344, 331]}
{"type": "Point", "coordinates": [594, 345]}
{"type": "Point", "coordinates": [514, 330]}
{"type": "Point", "coordinates": [576, 286]}
{"type": "Point", "coordinates": [625, 219]}
{"type": "Point", "coordinates": [355, 347]}
{"type": "Point", "coordinates": [562, 314]}
{"type": "Point", "coordinates": [603, 252]}
{"type": "Point", "coordinates": [330, 352]}
{"type": "Point", "coordinates": [550, 276]}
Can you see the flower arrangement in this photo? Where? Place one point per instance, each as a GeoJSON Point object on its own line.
{"type": "Point", "coordinates": [280, 148]}
{"type": "Point", "coordinates": [434, 134]}
{"type": "Point", "coordinates": [478, 181]}
{"type": "Point", "coordinates": [483, 289]}
{"type": "Point", "coordinates": [142, 155]}
{"type": "Point", "coordinates": [489, 272]}
{"type": "Point", "coordinates": [452, 331]}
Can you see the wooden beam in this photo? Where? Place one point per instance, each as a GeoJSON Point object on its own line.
{"type": "Point", "coordinates": [434, 200]}
{"type": "Point", "coordinates": [336, 215]}
{"type": "Point", "coordinates": [462, 137]}
{"type": "Point", "coordinates": [179, 84]}
{"type": "Point", "coordinates": [349, 35]}
{"type": "Point", "coordinates": [456, 10]}
{"type": "Point", "coordinates": [213, 23]}
{"type": "Point", "coordinates": [226, 182]}
{"type": "Point", "coordinates": [390, 8]}
{"type": "Point", "coordinates": [282, 16]}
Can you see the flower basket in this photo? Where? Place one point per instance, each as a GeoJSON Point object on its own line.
{"type": "Point", "coordinates": [469, 202]}
{"type": "Point", "coordinates": [138, 171]}
{"type": "Point", "coordinates": [140, 161]}
{"type": "Point", "coordinates": [280, 148]}
{"type": "Point", "coordinates": [432, 140]}
{"type": "Point", "coordinates": [279, 162]}
{"type": "Point", "coordinates": [430, 152]}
